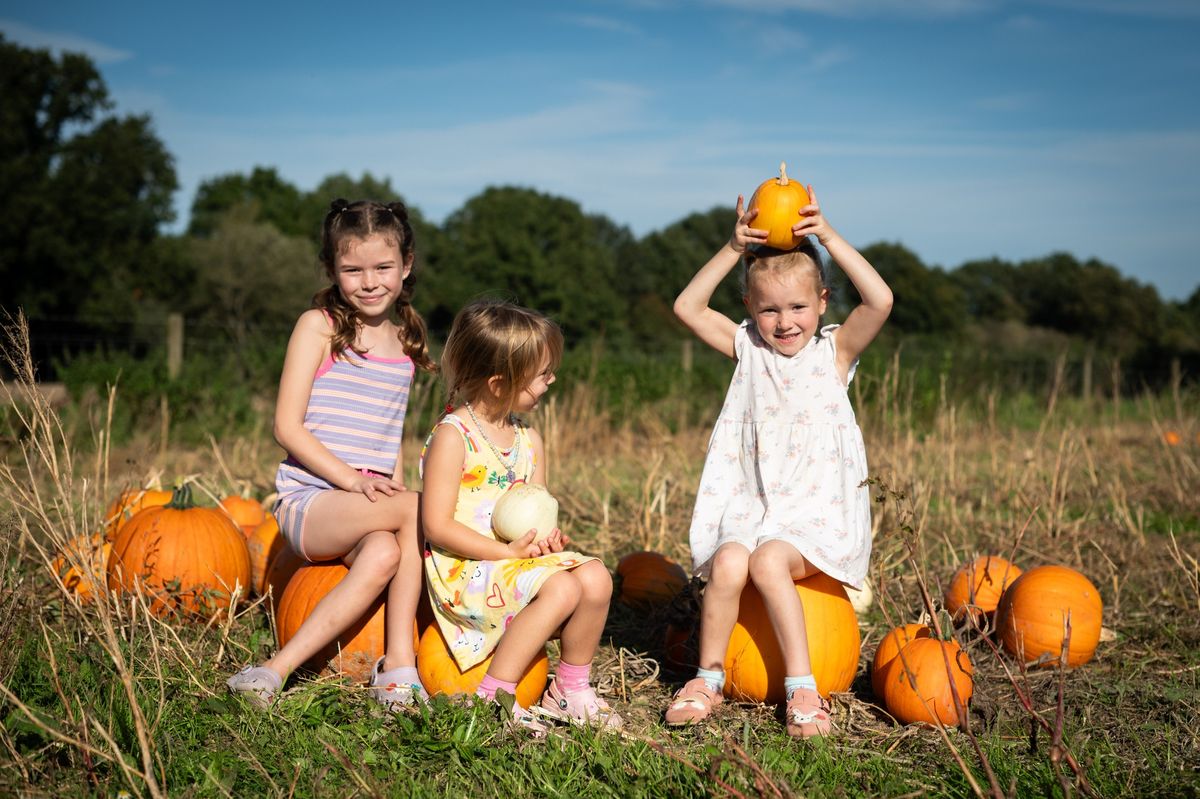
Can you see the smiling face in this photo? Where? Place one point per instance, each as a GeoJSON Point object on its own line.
{"type": "Point", "coordinates": [532, 394]}
{"type": "Point", "coordinates": [786, 306]}
{"type": "Point", "coordinates": [370, 274]}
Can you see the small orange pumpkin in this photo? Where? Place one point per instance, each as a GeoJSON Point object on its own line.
{"type": "Point", "coordinates": [354, 652]}
{"type": "Point", "coordinates": [80, 565]}
{"type": "Point", "coordinates": [283, 564]}
{"type": "Point", "coordinates": [976, 587]}
{"type": "Point", "coordinates": [1031, 617]}
{"type": "Point", "coordinates": [1172, 438]}
{"type": "Point", "coordinates": [779, 201]}
{"type": "Point", "coordinates": [183, 558]}
{"type": "Point", "coordinates": [917, 683]}
{"type": "Point", "coordinates": [648, 578]}
{"type": "Point", "coordinates": [440, 673]}
{"type": "Point", "coordinates": [889, 647]}
{"type": "Point", "coordinates": [128, 503]}
{"type": "Point", "coordinates": [247, 514]}
{"type": "Point", "coordinates": [264, 543]}
{"type": "Point", "coordinates": [754, 668]}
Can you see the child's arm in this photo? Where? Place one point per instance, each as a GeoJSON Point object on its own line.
{"type": "Point", "coordinates": [443, 475]}
{"type": "Point", "coordinates": [691, 306]}
{"type": "Point", "coordinates": [865, 321]}
{"type": "Point", "coordinates": [307, 349]}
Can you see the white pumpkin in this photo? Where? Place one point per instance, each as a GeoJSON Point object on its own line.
{"type": "Point", "coordinates": [524, 507]}
{"type": "Point", "coordinates": [861, 600]}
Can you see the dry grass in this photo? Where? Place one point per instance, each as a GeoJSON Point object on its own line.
{"type": "Point", "coordinates": [1094, 487]}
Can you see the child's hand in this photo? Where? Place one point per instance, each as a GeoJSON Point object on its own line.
{"type": "Point", "coordinates": [374, 486]}
{"type": "Point", "coordinates": [813, 222]}
{"type": "Point", "coordinates": [743, 234]}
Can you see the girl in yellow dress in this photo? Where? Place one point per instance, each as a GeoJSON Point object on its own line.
{"type": "Point", "coordinates": [490, 597]}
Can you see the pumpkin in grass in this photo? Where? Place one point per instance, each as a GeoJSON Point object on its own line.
{"type": "Point", "coordinates": [917, 683]}
{"type": "Point", "coordinates": [247, 514]}
{"type": "Point", "coordinates": [779, 201]}
{"type": "Point", "coordinates": [976, 587]}
{"type": "Point", "coordinates": [681, 646]}
{"type": "Point", "coordinates": [648, 578]}
{"type": "Point", "coordinates": [889, 647]}
{"type": "Point", "coordinates": [1032, 614]}
{"type": "Point", "coordinates": [355, 650]}
{"type": "Point", "coordinates": [264, 543]}
{"type": "Point", "coordinates": [80, 565]}
{"type": "Point", "coordinates": [440, 673]}
{"type": "Point", "coordinates": [283, 564]}
{"type": "Point", "coordinates": [183, 558]}
{"type": "Point", "coordinates": [128, 503]}
{"type": "Point", "coordinates": [754, 668]}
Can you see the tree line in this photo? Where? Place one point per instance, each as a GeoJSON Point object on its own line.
{"type": "Point", "coordinates": [85, 198]}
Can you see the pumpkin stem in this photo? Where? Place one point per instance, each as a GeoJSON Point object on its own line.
{"type": "Point", "coordinates": [783, 178]}
{"type": "Point", "coordinates": [181, 498]}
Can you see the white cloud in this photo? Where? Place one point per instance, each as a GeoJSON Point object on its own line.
{"type": "Point", "coordinates": [596, 22]}
{"type": "Point", "coordinates": [59, 42]}
{"type": "Point", "coordinates": [1186, 9]}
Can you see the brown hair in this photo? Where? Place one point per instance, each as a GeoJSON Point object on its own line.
{"type": "Point", "coordinates": [769, 260]}
{"type": "Point", "coordinates": [359, 220]}
{"type": "Point", "coordinates": [494, 338]}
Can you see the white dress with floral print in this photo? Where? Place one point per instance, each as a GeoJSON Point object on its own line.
{"type": "Point", "coordinates": [786, 461]}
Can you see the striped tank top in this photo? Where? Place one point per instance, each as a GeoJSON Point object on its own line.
{"type": "Point", "coordinates": [356, 409]}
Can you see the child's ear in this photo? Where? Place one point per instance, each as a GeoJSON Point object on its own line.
{"type": "Point", "coordinates": [495, 384]}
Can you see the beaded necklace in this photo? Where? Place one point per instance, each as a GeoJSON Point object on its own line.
{"type": "Point", "coordinates": [516, 451]}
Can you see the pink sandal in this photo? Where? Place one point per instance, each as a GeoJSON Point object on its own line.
{"type": "Point", "coordinates": [692, 703]}
{"type": "Point", "coordinates": [807, 714]}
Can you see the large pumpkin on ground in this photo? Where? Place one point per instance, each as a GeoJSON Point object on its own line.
{"type": "Point", "coordinates": [779, 201]}
{"type": "Point", "coordinates": [354, 652]}
{"type": "Point", "coordinates": [1032, 614]}
{"type": "Point", "coordinates": [264, 543]}
{"type": "Point", "coordinates": [440, 673]}
{"type": "Point", "coordinates": [127, 505]}
{"type": "Point", "coordinates": [80, 565]}
{"type": "Point", "coordinates": [754, 668]}
{"type": "Point", "coordinates": [183, 558]}
{"type": "Point", "coordinates": [649, 578]}
{"type": "Point", "coordinates": [917, 682]}
{"type": "Point", "coordinates": [976, 587]}
{"type": "Point", "coordinates": [889, 647]}
{"type": "Point", "coordinates": [247, 514]}
{"type": "Point", "coordinates": [283, 564]}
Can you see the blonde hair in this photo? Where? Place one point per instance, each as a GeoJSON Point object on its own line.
{"type": "Point", "coordinates": [770, 261]}
{"type": "Point", "coordinates": [491, 338]}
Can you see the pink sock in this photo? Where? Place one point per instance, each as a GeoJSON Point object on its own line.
{"type": "Point", "coordinates": [488, 687]}
{"type": "Point", "coordinates": [572, 679]}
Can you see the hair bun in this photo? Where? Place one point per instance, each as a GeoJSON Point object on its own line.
{"type": "Point", "coordinates": [399, 210]}
{"type": "Point", "coordinates": [339, 205]}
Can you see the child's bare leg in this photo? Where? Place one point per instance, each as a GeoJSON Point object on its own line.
{"type": "Point", "coordinates": [374, 563]}
{"type": "Point", "coordinates": [403, 595]}
{"type": "Point", "coordinates": [722, 596]}
{"type": "Point", "coordinates": [581, 634]}
{"type": "Point", "coordinates": [529, 631]}
{"type": "Point", "coordinates": [774, 567]}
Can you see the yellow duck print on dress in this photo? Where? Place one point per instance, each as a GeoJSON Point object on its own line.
{"type": "Point", "coordinates": [474, 478]}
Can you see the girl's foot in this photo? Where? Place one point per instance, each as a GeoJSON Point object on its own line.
{"type": "Point", "coordinates": [257, 683]}
{"type": "Point", "coordinates": [396, 689]}
{"type": "Point", "coordinates": [692, 703]}
{"type": "Point", "coordinates": [807, 714]}
{"type": "Point", "coordinates": [578, 707]}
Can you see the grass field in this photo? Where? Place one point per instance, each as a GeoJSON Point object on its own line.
{"type": "Point", "coordinates": [105, 699]}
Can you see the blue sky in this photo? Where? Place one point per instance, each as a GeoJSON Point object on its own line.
{"type": "Point", "coordinates": [961, 128]}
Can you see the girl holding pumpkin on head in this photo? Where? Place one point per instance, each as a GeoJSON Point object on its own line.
{"type": "Point", "coordinates": [492, 597]}
{"type": "Point", "coordinates": [340, 414]}
{"type": "Point", "coordinates": [782, 494]}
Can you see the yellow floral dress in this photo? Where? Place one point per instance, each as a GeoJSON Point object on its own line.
{"type": "Point", "coordinates": [475, 600]}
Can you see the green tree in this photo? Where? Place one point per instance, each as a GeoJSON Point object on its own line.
{"type": "Point", "coordinates": [82, 193]}
{"type": "Point", "coordinates": [261, 196]}
{"type": "Point", "coordinates": [926, 300]}
{"type": "Point", "coordinates": [539, 250]}
{"type": "Point", "coordinates": [990, 290]}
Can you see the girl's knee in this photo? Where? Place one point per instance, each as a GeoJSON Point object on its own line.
{"type": "Point", "coordinates": [594, 581]}
{"type": "Point", "coordinates": [562, 589]}
{"type": "Point", "coordinates": [379, 557]}
{"type": "Point", "coordinates": [730, 567]}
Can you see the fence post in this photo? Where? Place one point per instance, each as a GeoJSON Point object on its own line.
{"type": "Point", "coordinates": [174, 344]}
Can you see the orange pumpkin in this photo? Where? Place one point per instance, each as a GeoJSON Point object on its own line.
{"type": "Point", "coordinates": [917, 683]}
{"type": "Point", "coordinates": [354, 652]}
{"type": "Point", "coordinates": [247, 514]}
{"type": "Point", "coordinates": [1172, 438]}
{"type": "Point", "coordinates": [440, 673]}
{"type": "Point", "coordinates": [128, 503]}
{"type": "Point", "coordinates": [681, 647]}
{"type": "Point", "coordinates": [889, 647]}
{"type": "Point", "coordinates": [80, 566]}
{"type": "Point", "coordinates": [779, 201]}
{"type": "Point", "coordinates": [183, 558]}
{"type": "Point", "coordinates": [648, 578]}
{"type": "Point", "coordinates": [976, 587]}
{"type": "Point", "coordinates": [754, 668]}
{"type": "Point", "coordinates": [283, 564]}
{"type": "Point", "coordinates": [264, 543]}
{"type": "Point", "coordinates": [1032, 615]}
